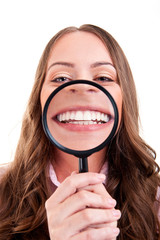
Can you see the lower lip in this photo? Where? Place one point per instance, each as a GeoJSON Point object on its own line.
{"type": "Point", "coordinates": [79, 127]}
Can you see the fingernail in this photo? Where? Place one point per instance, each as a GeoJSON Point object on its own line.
{"type": "Point", "coordinates": [101, 176]}
{"type": "Point", "coordinates": [116, 213]}
{"type": "Point", "coordinates": [116, 231]}
{"type": "Point", "coordinates": [112, 201]}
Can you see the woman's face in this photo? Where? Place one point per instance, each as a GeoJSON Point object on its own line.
{"type": "Point", "coordinates": [80, 108]}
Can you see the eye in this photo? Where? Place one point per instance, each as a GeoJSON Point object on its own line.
{"type": "Point", "coordinates": [104, 79]}
{"type": "Point", "coordinates": [60, 79]}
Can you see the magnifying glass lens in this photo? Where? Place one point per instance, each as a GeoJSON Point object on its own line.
{"type": "Point", "coordinates": [80, 117]}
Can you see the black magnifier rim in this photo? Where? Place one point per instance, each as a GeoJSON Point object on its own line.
{"type": "Point", "coordinates": [82, 153]}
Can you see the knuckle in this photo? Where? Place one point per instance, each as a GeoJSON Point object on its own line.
{"type": "Point", "coordinates": [103, 199]}
{"type": "Point", "coordinates": [87, 216]}
{"type": "Point", "coordinates": [109, 215]}
{"type": "Point", "coordinates": [89, 235]}
{"type": "Point", "coordinates": [83, 196]}
{"type": "Point", "coordinates": [69, 182]}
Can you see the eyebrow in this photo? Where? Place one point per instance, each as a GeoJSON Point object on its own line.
{"type": "Point", "coordinates": [67, 64]}
{"type": "Point", "coordinates": [98, 64]}
{"type": "Point", "coordinates": [71, 65]}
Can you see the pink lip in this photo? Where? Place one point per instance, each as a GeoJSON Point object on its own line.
{"type": "Point", "coordinates": [78, 127]}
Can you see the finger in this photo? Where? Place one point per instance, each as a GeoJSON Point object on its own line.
{"type": "Point", "coordinates": [111, 225]}
{"type": "Point", "coordinates": [103, 225]}
{"type": "Point", "coordinates": [89, 217]}
{"type": "Point", "coordinates": [69, 228]}
{"type": "Point", "coordinates": [101, 190]}
{"type": "Point", "coordinates": [73, 173]}
{"type": "Point", "coordinates": [94, 234]}
{"type": "Point", "coordinates": [72, 183]}
{"type": "Point", "coordinates": [97, 188]}
{"type": "Point", "coordinates": [80, 201]}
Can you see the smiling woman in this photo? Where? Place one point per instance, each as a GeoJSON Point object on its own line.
{"type": "Point", "coordinates": [42, 194]}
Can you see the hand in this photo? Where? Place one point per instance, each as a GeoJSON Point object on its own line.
{"type": "Point", "coordinates": [81, 208]}
{"type": "Point", "coordinates": [100, 189]}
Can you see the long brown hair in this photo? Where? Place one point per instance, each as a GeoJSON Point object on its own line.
{"type": "Point", "coordinates": [132, 175]}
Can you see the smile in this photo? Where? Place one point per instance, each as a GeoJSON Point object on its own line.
{"type": "Point", "coordinates": [83, 117]}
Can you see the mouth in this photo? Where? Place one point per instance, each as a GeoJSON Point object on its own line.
{"type": "Point", "coordinates": [86, 117]}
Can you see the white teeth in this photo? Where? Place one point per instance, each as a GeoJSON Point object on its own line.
{"type": "Point", "coordinates": [93, 115]}
{"type": "Point", "coordinates": [84, 122]}
{"type": "Point", "coordinates": [79, 115]}
{"type": "Point", "coordinates": [63, 117]}
{"type": "Point", "coordinates": [72, 115]}
{"type": "Point", "coordinates": [59, 117]}
{"type": "Point", "coordinates": [106, 118]}
{"type": "Point", "coordinates": [102, 116]}
{"type": "Point", "coordinates": [98, 116]}
{"type": "Point", "coordinates": [67, 116]}
{"type": "Point", "coordinates": [87, 115]}
{"type": "Point", "coordinates": [83, 117]}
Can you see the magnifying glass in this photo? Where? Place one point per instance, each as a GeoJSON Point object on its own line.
{"type": "Point", "coordinates": [80, 117]}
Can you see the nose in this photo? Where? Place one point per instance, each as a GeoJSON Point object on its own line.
{"type": "Point", "coordinates": [82, 88]}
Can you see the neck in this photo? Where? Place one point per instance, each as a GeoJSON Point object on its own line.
{"type": "Point", "coordinates": [64, 164]}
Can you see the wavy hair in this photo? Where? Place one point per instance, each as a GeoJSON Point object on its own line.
{"type": "Point", "coordinates": [132, 175]}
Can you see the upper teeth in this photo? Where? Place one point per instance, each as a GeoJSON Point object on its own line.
{"type": "Point", "coordinates": [77, 116]}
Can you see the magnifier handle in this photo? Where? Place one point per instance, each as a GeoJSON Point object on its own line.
{"type": "Point", "coordinates": [83, 165]}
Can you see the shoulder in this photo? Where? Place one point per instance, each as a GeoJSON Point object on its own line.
{"type": "Point", "coordinates": [3, 169]}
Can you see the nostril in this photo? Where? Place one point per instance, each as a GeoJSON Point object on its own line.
{"type": "Point", "coordinates": [73, 90]}
{"type": "Point", "coordinates": [92, 90]}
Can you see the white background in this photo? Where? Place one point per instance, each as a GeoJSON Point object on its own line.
{"type": "Point", "coordinates": [27, 26]}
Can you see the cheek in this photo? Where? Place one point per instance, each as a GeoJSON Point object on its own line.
{"type": "Point", "coordinates": [118, 100]}
{"type": "Point", "coordinates": [117, 95]}
{"type": "Point", "coordinates": [45, 93]}
{"type": "Point", "coordinates": [43, 97]}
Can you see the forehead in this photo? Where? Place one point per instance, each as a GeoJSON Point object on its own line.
{"type": "Point", "coordinates": [77, 46]}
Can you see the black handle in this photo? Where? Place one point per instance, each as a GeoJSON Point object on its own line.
{"type": "Point", "coordinates": [83, 164]}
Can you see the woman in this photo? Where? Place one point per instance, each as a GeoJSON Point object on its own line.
{"type": "Point", "coordinates": [117, 199]}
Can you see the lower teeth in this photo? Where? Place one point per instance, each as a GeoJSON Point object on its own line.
{"type": "Point", "coordinates": [83, 122]}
